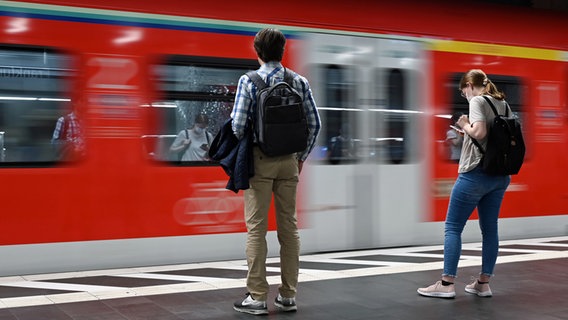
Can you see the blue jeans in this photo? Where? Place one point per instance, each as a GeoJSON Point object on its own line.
{"type": "Point", "coordinates": [474, 189]}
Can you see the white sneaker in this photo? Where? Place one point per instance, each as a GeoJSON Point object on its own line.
{"type": "Point", "coordinates": [285, 304]}
{"type": "Point", "coordinates": [251, 306]}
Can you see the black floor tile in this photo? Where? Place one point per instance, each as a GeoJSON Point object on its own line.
{"type": "Point", "coordinates": [473, 253]}
{"type": "Point", "coordinates": [559, 242]}
{"type": "Point", "coordinates": [140, 308]}
{"type": "Point", "coordinates": [325, 265]}
{"type": "Point", "coordinates": [394, 258]}
{"type": "Point", "coordinates": [7, 315]}
{"type": "Point", "coordinates": [86, 309]}
{"type": "Point", "coordinates": [533, 247]}
{"type": "Point", "coordinates": [12, 292]}
{"type": "Point", "coordinates": [115, 281]}
{"type": "Point", "coordinates": [51, 312]}
{"type": "Point", "coordinates": [212, 272]}
{"type": "Point", "coordinates": [112, 315]}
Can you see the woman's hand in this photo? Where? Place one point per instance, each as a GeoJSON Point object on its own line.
{"type": "Point", "coordinates": [463, 121]}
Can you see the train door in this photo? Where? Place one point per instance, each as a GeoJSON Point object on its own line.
{"type": "Point", "coordinates": [398, 136]}
{"type": "Point", "coordinates": [328, 199]}
{"type": "Point", "coordinates": [364, 175]}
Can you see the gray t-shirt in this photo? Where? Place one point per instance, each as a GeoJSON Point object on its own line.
{"type": "Point", "coordinates": [194, 152]}
{"type": "Point", "coordinates": [479, 110]}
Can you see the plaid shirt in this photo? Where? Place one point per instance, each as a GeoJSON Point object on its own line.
{"type": "Point", "coordinates": [69, 132]}
{"type": "Point", "coordinates": [245, 102]}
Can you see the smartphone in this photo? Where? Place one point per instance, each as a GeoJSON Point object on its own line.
{"type": "Point", "coordinates": [457, 129]}
{"type": "Point", "coordinates": [205, 147]}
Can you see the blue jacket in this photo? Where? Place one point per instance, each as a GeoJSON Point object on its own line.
{"type": "Point", "coordinates": [234, 156]}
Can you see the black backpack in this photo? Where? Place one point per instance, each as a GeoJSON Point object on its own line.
{"type": "Point", "coordinates": [280, 125]}
{"type": "Point", "coordinates": [505, 144]}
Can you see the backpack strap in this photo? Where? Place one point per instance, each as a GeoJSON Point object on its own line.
{"type": "Point", "coordinates": [477, 144]}
{"type": "Point", "coordinates": [257, 80]}
{"type": "Point", "coordinates": [288, 77]}
{"type": "Point", "coordinates": [495, 109]}
{"type": "Point", "coordinates": [260, 84]}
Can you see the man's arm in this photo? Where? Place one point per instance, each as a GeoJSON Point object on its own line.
{"type": "Point", "coordinates": [242, 106]}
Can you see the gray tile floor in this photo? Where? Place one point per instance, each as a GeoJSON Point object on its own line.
{"type": "Point", "coordinates": [529, 285]}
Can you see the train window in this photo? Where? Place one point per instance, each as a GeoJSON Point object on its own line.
{"type": "Point", "coordinates": [396, 121]}
{"type": "Point", "coordinates": [337, 142]}
{"type": "Point", "coordinates": [34, 94]}
{"type": "Point", "coordinates": [391, 140]}
{"type": "Point", "coordinates": [196, 98]}
{"type": "Point", "coordinates": [511, 86]}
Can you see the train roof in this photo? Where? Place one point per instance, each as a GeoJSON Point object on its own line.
{"type": "Point", "coordinates": [479, 21]}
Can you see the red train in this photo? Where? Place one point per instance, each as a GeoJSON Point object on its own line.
{"type": "Point", "coordinates": [384, 75]}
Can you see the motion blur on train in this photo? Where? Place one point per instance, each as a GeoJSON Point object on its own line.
{"type": "Point", "coordinates": [134, 75]}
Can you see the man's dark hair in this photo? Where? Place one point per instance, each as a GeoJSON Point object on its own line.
{"type": "Point", "coordinates": [269, 44]}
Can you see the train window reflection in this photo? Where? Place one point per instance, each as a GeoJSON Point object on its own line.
{"type": "Point", "coordinates": [391, 141]}
{"type": "Point", "coordinates": [338, 141]}
{"type": "Point", "coordinates": [197, 96]}
{"type": "Point", "coordinates": [34, 94]}
{"type": "Point", "coordinates": [396, 121]}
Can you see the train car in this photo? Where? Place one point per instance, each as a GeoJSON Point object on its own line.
{"type": "Point", "coordinates": [129, 76]}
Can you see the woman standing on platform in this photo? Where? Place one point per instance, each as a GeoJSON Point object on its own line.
{"type": "Point", "coordinates": [473, 188]}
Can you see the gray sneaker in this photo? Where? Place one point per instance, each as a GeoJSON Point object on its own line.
{"type": "Point", "coordinates": [251, 306]}
{"type": "Point", "coordinates": [437, 290]}
{"type": "Point", "coordinates": [480, 289]}
{"type": "Point", "coordinates": [285, 304]}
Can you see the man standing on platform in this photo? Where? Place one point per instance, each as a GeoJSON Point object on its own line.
{"type": "Point", "coordinates": [277, 175]}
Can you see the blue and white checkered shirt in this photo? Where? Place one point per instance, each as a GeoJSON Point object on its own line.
{"type": "Point", "coordinates": [245, 102]}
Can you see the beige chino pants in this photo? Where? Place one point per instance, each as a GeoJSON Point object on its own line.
{"type": "Point", "coordinates": [278, 176]}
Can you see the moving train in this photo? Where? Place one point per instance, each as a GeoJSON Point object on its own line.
{"type": "Point", "coordinates": [384, 75]}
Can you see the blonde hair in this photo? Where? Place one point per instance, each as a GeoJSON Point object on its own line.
{"type": "Point", "coordinates": [478, 78]}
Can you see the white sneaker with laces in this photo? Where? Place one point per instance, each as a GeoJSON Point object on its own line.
{"type": "Point", "coordinates": [285, 304]}
{"type": "Point", "coordinates": [251, 306]}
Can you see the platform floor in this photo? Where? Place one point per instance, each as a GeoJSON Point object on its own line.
{"type": "Point", "coordinates": [531, 283]}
